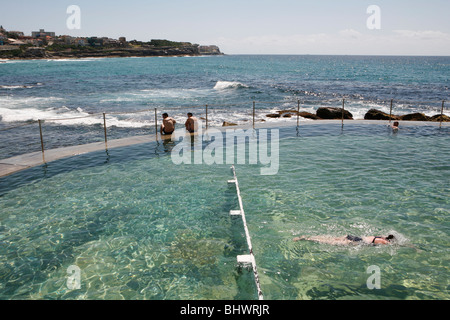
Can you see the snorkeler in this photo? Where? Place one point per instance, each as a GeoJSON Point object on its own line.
{"type": "Point", "coordinates": [374, 240]}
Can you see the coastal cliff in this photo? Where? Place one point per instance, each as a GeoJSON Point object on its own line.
{"type": "Point", "coordinates": [64, 52]}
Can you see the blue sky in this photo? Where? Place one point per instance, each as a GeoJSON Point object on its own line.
{"type": "Point", "coordinates": [408, 27]}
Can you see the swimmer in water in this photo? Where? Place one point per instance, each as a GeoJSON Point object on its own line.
{"type": "Point", "coordinates": [395, 126]}
{"type": "Point", "coordinates": [348, 240]}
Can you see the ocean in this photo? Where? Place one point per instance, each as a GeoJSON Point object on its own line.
{"type": "Point", "coordinates": [82, 89]}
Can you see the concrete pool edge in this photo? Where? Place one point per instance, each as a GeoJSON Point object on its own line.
{"type": "Point", "coordinates": [29, 160]}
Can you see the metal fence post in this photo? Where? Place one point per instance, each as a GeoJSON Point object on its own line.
{"type": "Point", "coordinates": [104, 127]}
{"type": "Point", "coordinates": [390, 111]}
{"type": "Point", "coordinates": [42, 140]}
{"type": "Point", "coordinates": [253, 114]}
{"type": "Point", "coordinates": [156, 122]}
{"type": "Point", "coordinates": [206, 110]}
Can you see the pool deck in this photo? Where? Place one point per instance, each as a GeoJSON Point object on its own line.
{"type": "Point", "coordinates": [22, 162]}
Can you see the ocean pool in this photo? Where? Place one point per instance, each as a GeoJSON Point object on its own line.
{"type": "Point", "coordinates": [140, 227]}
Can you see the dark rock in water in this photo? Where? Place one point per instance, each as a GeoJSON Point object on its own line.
{"type": "Point", "coordinates": [333, 113]}
{"type": "Point", "coordinates": [291, 113]}
{"type": "Point", "coordinates": [439, 118]}
{"type": "Point", "coordinates": [282, 112]}
{"type": "Point", "coordinates": [415, 117]}
{"type": "Point", "coordinates": [227, 124]}
{"type": "Point", "coordinates": [374, 114]}
{"type": "Point", "coordinates": [308, 115]}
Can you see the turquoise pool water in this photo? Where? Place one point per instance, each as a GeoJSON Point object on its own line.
{"type": "Point", "coordinates": [140, 227]}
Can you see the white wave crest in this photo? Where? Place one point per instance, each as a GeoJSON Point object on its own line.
{"type": "Point", "coordinates": [223, 85]}
{"type": "Point", "coordinates": [17, 86]}
{"type": "Point", "coordinates": [33, 114]}
{"type": "Point", "coordinates": [73, 60]}
{"type": "Point", "coordinates": [69, 117]}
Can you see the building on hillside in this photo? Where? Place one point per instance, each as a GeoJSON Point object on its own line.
{"type": "Point", "coordinates": [15, 42]}
{"type": "Point", "coordinates": [65, 39]}
{"type": "Point", "coordinates": [95, 41]}
{"type": "Point", "coordinates": [42, 33]}
{"type": "Point", "coordinates": [16, 33]}
{"type": "Point", "coordinates": [81, 42]}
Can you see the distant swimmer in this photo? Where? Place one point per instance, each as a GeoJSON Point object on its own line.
{"type": "Point", "coordinates": [395, 126]}
{"type": "Point", "coordinates": [346, 240]}
{"type": "Point", "coordinates": [168, 125]}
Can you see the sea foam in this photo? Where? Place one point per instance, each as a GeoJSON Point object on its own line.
{"type": "Point", "coordinates": [223, 85]}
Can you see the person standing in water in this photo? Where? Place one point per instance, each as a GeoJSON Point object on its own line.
{"type": "Point", "coordinates": [168, 125]}
{"type": "Point", "coordinates": [191, 123]}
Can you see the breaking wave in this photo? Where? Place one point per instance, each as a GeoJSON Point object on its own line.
{"type": "Point", "coordinates": [224, 85]}
{"type": "Point", "coordinates": [23, 86]}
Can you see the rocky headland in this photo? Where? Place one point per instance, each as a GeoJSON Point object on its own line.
{"type": "Point", "coordinates": [63, 52]}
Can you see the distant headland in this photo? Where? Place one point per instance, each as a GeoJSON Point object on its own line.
{"type": "Point", "coordinates": [46, 45]}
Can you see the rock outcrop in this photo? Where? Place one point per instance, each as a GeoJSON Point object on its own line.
{"type": "Point", "coordinates": [374, 114]}
{"type": "Point", "coordinates": [308, 115]}
{"type": "Point", "coordinates": [415, 117]}
{"type": "Point", "coordinates": [293, 113]}
{"type": "Point", "coordinates": [209, 50]}
{"type": "Point", "coordinates": [333, 113]}
{"type": "Point", "coordinates": [440, 117]}
{"type": "Point", "coordinates": [228, 124]}
{"type": "Point", "coordinates": [36, 53]}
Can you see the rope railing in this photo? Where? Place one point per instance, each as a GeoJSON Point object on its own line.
{"type": "Point", "coordinates": [211, 108]}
